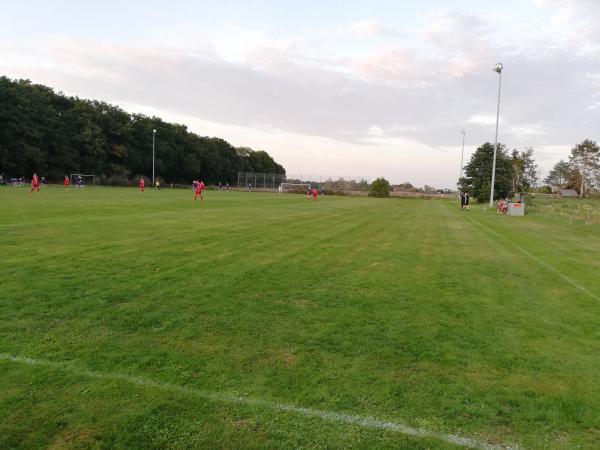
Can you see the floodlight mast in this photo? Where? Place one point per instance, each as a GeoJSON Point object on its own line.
{"type": "Point", "coordinates": [153, 135]}
{"type": "Point", "coordinates": [462, 152]}
{"type": "Point", "coordinates": [497, 68]}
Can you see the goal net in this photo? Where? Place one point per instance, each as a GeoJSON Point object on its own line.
{"type": "Point", "coordinates": [295, 188]}
{"type": "Point", "coordinates": [80, 180]}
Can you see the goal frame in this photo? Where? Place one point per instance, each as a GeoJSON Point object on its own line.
{"type": "Point", "coordinates": [295, 187]}
{"type": "Point", "coordinates": [83, 175]}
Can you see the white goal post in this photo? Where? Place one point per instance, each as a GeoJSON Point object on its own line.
{"type": "Point", "coordinates": [86, 179]}
{"type": "Point", "coordinates": [295, 187]}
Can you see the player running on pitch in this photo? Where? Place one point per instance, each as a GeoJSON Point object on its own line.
{"type": "Point", "coordinates": [35, 183]}
{"type": "Point", "coordinates": [67, 183]}
{"type": "Point", "coordinates": [315, 194]}
{"type": "Point", "coordinates": [142, 184]}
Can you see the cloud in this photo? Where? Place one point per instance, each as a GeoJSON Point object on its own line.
{"type": "Point", "coordinates": [575, 23]}
{"type": "Point", "coordinates": [399, 66]}
{"type": "Point", "coordinates": [410, 92]}
{"type": "Point", "coordinates": [480, 119]}
{"type": "Point", "coordinates": [364, 28]}
{"type": "Point", "coordinates": [375, 131]}
{"type": "Point", "coordinates": [457, 31]}
{"type": "Point", "coordinates": [527, 130]}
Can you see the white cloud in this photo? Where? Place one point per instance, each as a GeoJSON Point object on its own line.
{"type": "Point", "coordinates": [375, 131]}
{"type": "Point", "coordinates": [403, 99]}
{"type": "Point", "coordinates": [364, 28]}
{"type": "Point", "coordinates": [527, 130]}
{"type": "Point", "coordinates": [481, 119]}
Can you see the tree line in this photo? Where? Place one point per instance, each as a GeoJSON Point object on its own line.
{"type": "Point", "coordinates": [581, 172]}
{"type": "Point", "coordinates": [516, 171]}
{"type": "Point", "coordinates": [53, 134]}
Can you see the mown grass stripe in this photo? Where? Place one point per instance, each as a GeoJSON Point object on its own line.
{"type": "Point", "coordinates": [330, 416]}
{"type": "Point", "coordinates": [537, 260]}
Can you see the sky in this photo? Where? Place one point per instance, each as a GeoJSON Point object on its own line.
{"type": "Point", "coordinates": [329, 88]}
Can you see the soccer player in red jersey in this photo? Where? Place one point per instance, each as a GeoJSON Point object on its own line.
{"type": "Point", "coordinates": [142, 184]}
{"type": "Point", "coordinates": [315, 194]}
{"type": "Point", "coordinates": [67, 183]}
{"type": "Point", "coordinates": [198, 192]}
{"type": "Point", "coordinates": [35, 183]}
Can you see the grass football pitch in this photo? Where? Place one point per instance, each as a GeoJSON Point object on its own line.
{"type": "Point", "coordinates": [132, 320]}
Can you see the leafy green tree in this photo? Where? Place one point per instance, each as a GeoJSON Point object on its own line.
{"type": "Point", "coordinates": [524, 170]}
{"type": "Point", "coordinates": [585, 157]}
{"type": "Point", "coordinates": [29, 127]}
{"type": "Point", "coordinates": [54, 135]}
{"type": "Point", "coordinates": [559, 175]}
{"type": "Point", "coordinates": [257, 161]}
{"type": "Point", "coordinates": [478, 173]}
{"type": "Point", "coordinates": [379, 188]}
{"type": "Point", "coordinates": [574, 180]}
{"type": "Point", "coordinates": [404, 187]}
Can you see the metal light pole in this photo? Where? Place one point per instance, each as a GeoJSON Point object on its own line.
{"type": "Point", "coordinates": [498, 68]}
{"type": "Point", "coordinates": [462, 152]}
{"type": "Point", "coordinates": [153, 135]}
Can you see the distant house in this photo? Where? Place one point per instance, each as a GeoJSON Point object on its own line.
{"type": "Point", "coordinates": [568, 193]}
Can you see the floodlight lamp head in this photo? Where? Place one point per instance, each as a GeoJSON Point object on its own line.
{"type": "Point", "coordinates": [462, 131]}
{"type": "Point", "coordinates": [498, 67]}
{"type": "Point", "coordinates": [154, 131]}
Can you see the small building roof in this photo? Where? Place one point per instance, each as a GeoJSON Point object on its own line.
{"type": "Point", "coordinates": [568, 193]}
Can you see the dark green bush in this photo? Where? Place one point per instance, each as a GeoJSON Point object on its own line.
{"type": "Point", "coordinates": [379, 188]}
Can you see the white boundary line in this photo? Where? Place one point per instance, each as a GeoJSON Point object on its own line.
{"type": "Point", "coordinates": [329, 416]}
{"type": "Point", "coordinates": [540, 262]}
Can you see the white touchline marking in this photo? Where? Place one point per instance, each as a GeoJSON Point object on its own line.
{"type": "Point", "coordinates": [540, 262]}
{"type": "Point", "coordinates": [330, 416]}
